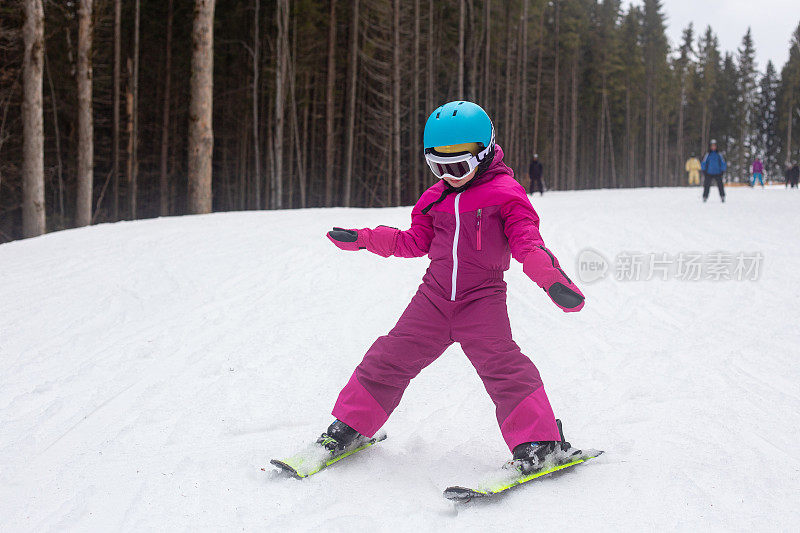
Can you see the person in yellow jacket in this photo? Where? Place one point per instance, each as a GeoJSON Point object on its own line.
{"type": "Point", "coordinates": [693, 168]}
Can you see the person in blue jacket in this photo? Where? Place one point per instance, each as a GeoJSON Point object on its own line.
{"type": "Point", "coordinates": [713, 166]}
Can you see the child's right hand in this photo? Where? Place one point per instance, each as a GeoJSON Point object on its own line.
{"type": "Point", "coordinates": [380, 240]}
{"type": "Point", "coordinates": [346, 239]}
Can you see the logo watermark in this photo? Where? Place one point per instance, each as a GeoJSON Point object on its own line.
{"type": "Point", "coordinates": [592, 265]}
{"type": "Point", "coordinates": [682, 266]}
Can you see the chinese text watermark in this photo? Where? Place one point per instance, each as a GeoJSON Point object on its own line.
{"type": "Point", "coordinates": [682, 266]}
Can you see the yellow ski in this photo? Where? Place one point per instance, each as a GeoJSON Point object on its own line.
{"type": "Point", "coordinates": [315, 458]}
{"type": "Point", "coordinates": [512, 479]}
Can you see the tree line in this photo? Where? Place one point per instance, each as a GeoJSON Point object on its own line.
{"type": "Point", "coordinates": [113, 110]}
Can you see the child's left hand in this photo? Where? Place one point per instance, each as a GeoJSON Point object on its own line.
{"type": "Point", "coordinates": [568, 297]}
{"type": "Point", "coordinates": [542, 267]}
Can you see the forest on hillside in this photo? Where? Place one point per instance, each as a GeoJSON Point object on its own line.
{"type": "Point", "coordinates": [118, 110]}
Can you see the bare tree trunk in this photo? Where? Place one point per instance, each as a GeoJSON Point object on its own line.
{"type": "Point", "coordinates": [330, 154]}
{"type": "Point", "coordinates": [352, 72]}
{"type": "Point", "coordinates": [600, 149]}
{"type": "Point", "coordinates": [129, 129]}
{"type": "Point", "coordinates": [290, 108]}
{"type": "Point", "coordinates": [573, 146]}
{"type": "Point", "coordinates": [790, 119]}
{"type": "Point", "coordinates": [565, 129]}
{"type": "Point", "coordinates": [564, 138]}
{"type": "Point", "coordinates": [474, 51]}
{"type": "Point", "coordinates": [315, 112]}
{"type": "Point", "coordinates": [264, 133]}
{"type": "Point", "coordinates": [431, 101]}
{"type": "Point", "coordinates": [117, 69]}
{"type": "Point", "coordinates": [57, 135]}
{"type": "Point", "coordinates": [227, 175]}
{"type": "Point", "coordinates": [133, 143]}
{"type": "Point", "coordinates": [681, 154]}
{"type": "Point", "coordinates": [201, 134]}
{"type": "Point", "coordinates": [269, 150]}
{"type": "Point", "coordinates": [415, 138]}
{"type": "Point", "coordinates": [538, 82]}
{"type": "Point", "coordinates": [509, 134]}
{"type": "Point", "coordinates": [521, 147]}
{"type": "Point", "coordinates": [648, 139]}
{"type": "Point", "coordinates": [304, 145]}
{"type": "Point", "coordinates": [487, 54]}
{"type": "Point", "coordinates": [611, 147]}
{"type": "Point", "coordinates": [462, 13]}
{"type": "Point", "coordinates": [256, 71]}
{"type": "Point", "coordinates": [555, 158]}
{"type": "Point", "coordinates": [164, 178]}
{"type": "Point", "coordinates": [704, 129]}
{"type": "Point", "coordinates": [33, 215]}
{"type": "Point", "coordinates": [299, 147]}
{"type": "Point", "coordinates": [396, 178]}
{"type": "Point", "coordinates": [514, 68]}
{"type": "Point", "coordinates": [664, 152]}
{"type": "Point", "coordinates": [630, 162]}
{"type": "Point", "coordinates": [83, 211]}
{"type": "Point", "coordinates": [241, 163]}
{"type": "Point", "coordinates": [656, 151]}
{"type": "Point", "coordinates": [282, 15]}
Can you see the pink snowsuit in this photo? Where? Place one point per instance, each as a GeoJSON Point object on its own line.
{"type": "Point", "coordinates": [470, 237]}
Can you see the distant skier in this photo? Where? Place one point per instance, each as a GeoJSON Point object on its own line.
{"type": "Point", "coordinates": [792, 175]}
{"type": "Point", "coordinates": [535, 171]}
{"type": "Point", "coordinates": [693, 167]}
{"type": "Point", "coordinates": [713, 166]}
{"type": "Point", "coordinates": [469, 223]}
{"type": "Point", "coordinates": [758, 173]}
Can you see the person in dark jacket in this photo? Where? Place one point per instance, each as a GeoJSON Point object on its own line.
{"type": "Point", "coordinates": [535, 174]}
{"type": "Point", "coordinates": [713, 166]}
{"type": "Point", "coordinates": [793, 175]}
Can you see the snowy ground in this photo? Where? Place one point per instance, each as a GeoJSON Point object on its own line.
{"type": "Point", "coordinates": [149, 370]}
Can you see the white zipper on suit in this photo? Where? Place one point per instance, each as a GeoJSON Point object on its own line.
{"type": "Point", "coordinates": [455, 250]}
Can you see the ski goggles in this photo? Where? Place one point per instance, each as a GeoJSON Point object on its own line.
{"type": "Point", "coordinates": [456, 165]}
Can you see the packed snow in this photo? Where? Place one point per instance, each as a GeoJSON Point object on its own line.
{"type": "Point", "coordinates": [149, 371]}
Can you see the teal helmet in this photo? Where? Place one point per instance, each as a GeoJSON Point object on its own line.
{"type": "Point", "coordinates": [459, 122]}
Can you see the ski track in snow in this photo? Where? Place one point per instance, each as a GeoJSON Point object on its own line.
{"type": "Point", "coordinates": [148, 370]}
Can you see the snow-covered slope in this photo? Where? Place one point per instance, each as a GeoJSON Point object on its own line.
{"type": "Point", "coordinates": [148, 371]}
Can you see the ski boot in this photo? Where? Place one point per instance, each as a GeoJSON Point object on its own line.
{"type": "Point", "coordinates": [338, 442]}
{"type": "Point", "coordinates": [340, 438]}
{"type": "Point", "coordinates": [532, 456]}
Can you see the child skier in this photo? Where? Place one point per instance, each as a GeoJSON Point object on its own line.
{"type": "Point", "coordinates": [469, 223]}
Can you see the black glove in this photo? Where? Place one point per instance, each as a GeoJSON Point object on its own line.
{"type": "Point", "coordinates": [345, 239]}
{"type": "Point", "coordinates": [343, 235]}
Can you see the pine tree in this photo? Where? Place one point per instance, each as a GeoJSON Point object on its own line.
{"type": "Point", "coordinates": [789, 101]}
{"type": "Point", "coordinates": [655, 49]}
{"type": "Point", "coordinates": [605, 66]}
{"type": "Point", "coordinates": [708, 71]}
{"type": "Point", "coordinates": [683, 68]}
{"type": "Point", "coordinates": [631, 30]}
{"type": "Point", "coordinates": [766, 121]}
{"type": "Point", "coordinates": [724, 126]}
{"type": "Point", "coordinates": [746, 108]}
